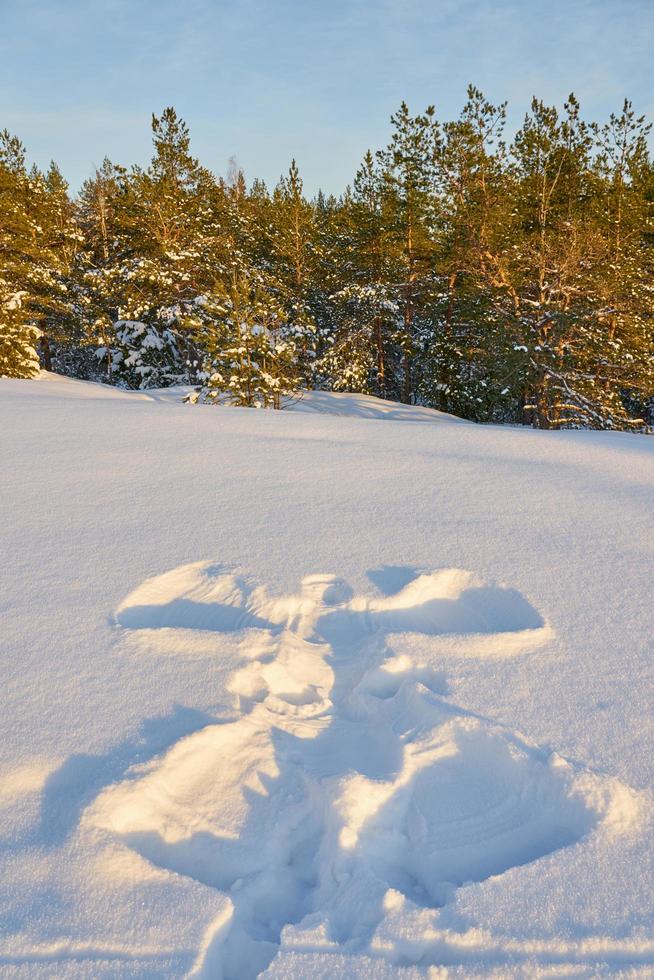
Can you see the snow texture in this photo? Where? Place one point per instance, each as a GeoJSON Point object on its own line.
{"type": "Point", "coordinates": [297, 695]}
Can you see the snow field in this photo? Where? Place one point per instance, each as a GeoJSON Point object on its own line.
{"type": "Point", "coordinates": [401, 725]}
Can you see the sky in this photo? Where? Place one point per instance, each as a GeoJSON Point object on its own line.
{"type": "Point", "coordinates": [268, 80]}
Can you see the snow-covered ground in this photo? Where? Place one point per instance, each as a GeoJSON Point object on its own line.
{"type": "Point", "coordinates": [352, 690]}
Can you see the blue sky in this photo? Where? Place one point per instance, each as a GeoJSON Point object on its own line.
{"type": "Point", "coordinates": [266, 80]}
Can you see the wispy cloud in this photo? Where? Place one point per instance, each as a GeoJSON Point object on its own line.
{"type": "Point", "coordinates": [267, 79]}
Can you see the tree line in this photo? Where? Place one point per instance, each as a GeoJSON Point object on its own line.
{"type": "Point", "coordinates": [501, 280]}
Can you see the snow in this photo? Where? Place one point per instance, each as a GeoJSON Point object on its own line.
{"type": "Point", "coordinates": [366, 406]}
{"type": "Point", "coordinates": [319, 693]}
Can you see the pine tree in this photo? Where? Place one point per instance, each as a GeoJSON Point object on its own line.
{"type": "Point", "coordinates": [547, 263]}
{"type": "Point", "coordinates": [251, 354]}
{"type": "Point", "coordinates": [156, 263]}
{"type": "Point", "coordinates": [56, 297]}
{"type": "Point", "coordinates": [410, 212]}
{"type": "Point", "coordinates": [367, 329]}
{"type": "Point", "coordinates": [462, 356]}
{"type": "Point", "coordinates": [18, 332]}
{"type": "Point", "coordinates": [38, 240]}
{"type": "Point", "coordinates": [293, 262]}
{"type": "Point", "coordinates": [619, 367]}
{"type": "Point", "coordinates": [539, 247]}
{"type": "Point", "coordinates": [98, 209]}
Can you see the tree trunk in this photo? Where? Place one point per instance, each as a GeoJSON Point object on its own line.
{"type": "Point", "coordinates": [46, 353]}
{"type": "Point", "coordinates": [406, 380]}
{"type": "Point", "coordinates": [542, 415]}
{"type": "Point", "coordinates": [381, 362]}
{"type": "Point", "coordinates": [408, 313]}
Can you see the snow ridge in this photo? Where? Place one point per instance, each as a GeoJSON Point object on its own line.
{"type": "Point", "coordinates": [348, 784]}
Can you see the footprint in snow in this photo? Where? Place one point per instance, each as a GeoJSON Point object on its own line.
{"type": "Point", "coordinates": [347, 772]}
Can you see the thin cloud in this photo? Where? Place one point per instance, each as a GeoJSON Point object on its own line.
{"type": "Point", "coordinates": [270, 80]}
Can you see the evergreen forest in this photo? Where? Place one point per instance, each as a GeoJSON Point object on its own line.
{"type": "Point", "coordinates": [503, 278]}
